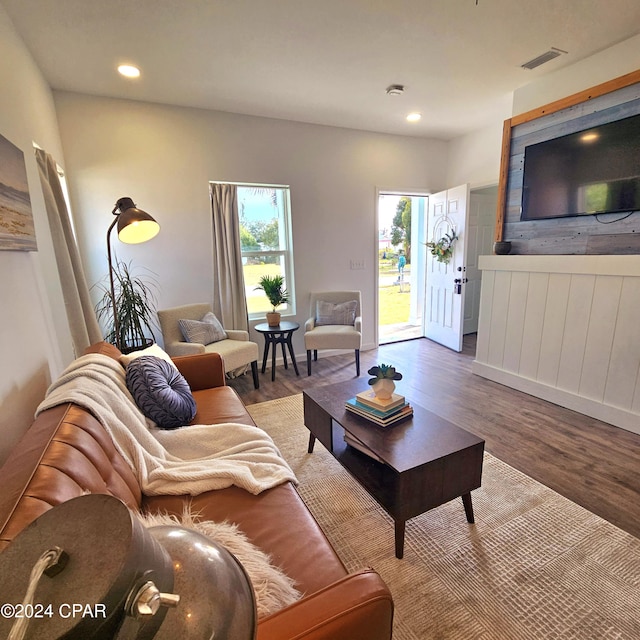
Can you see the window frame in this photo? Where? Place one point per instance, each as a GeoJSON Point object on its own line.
{"type": "Point", "coordinates": [285, 254]}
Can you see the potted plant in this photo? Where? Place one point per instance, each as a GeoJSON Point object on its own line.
{"type": "Point", "coordinates": [382, 383]}
{"type": "Point", "coordinates": [273, 287]}
{"type": "Point", "coordinates": [136, 307]}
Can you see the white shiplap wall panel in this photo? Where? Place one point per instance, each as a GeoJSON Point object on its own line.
{"type": "Point", "coordinates": [579, 303]}
{"type": "Point", "coordinates": [533, 324]}
{"type": "Point", "coordinates": [566, 329]}
{"type": "Point", "coordinates": [554, 328]}
{"type": "Point", "coordinates": [635, 406]}
{"type": "Point", "coordinates": [602, 324]}
{"type": "Point", "coordinates": [499, 317]}
{"type": "Point", "coordinates": [515, 324]}
{"type": "Point", "coordinates": [622, 378]}
{"type": "Point", "coordinates": [485, 314]}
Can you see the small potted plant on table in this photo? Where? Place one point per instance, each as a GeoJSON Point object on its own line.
{"type": "Point", "coordinates": [273, 287]}
{"type": "Point", "coordinates": [382, 383]}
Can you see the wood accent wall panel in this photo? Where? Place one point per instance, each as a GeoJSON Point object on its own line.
{"type": "Point", "coordinates": [610, 101]}
{"type": "Point", "coordinates": [569, 337]}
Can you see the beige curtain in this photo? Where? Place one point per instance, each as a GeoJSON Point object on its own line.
{"type": "Point", "coordinates": [83, 324]}
{"type": "Point", "coordinates": [229, 297]}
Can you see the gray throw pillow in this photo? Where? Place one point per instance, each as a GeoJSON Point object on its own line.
{"type": "Point", "coordinates": [161, 392]}
{"type": "Point", "coordinates": [342, 313]}
{"type": "Point", "coordinates": [203, 331]}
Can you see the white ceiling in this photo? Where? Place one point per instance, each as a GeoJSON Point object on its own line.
{"type": "Point", "coordinates": [319, 61]}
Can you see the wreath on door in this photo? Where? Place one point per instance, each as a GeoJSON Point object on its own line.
{"type": "Point", "coordinates": [442, 249]}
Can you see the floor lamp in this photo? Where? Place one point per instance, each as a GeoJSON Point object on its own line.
{"type": "Point", "coordinates": [134, 226]}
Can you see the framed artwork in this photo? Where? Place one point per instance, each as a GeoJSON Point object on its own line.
{"type": "Point", "coordinates": [17, 231]}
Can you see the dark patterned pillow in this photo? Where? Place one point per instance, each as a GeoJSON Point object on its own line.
{"type": "Point", "coordinates": [161, 392]}
{"type": "Point", "coordinates": [203, 331]}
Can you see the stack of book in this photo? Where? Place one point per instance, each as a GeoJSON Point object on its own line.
{"type": "Point", "coordinates": [382, 412]}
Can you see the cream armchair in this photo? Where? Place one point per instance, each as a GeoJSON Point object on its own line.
{"type": "Point", "coordinates": [237, 350]}
{"type": "Point", "coordinates": [334, 323]}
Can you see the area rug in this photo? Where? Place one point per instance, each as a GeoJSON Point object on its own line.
{"type": "Point", "coordinates": [535, 566]}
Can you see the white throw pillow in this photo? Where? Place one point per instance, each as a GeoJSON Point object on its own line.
{"type": "Point", "coordinates": [204, 331]}
{"type": "Point", "coordinates": [153, 350]}
{"type": "Point", "coordinates": [342, 313]}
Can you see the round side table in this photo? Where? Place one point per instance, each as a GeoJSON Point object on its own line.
{"type": "Point", "coordinates": [273, 336]}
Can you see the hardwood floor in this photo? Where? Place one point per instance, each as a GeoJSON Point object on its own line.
{"type": "Point", "coordinates": [590, 462]}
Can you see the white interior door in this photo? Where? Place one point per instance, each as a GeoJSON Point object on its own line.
{"type": "Point", "coordinates": [481, 224]}
{"type": "Point", "coordinates": [444, 301]}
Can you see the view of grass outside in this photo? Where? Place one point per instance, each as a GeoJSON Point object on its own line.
{"type": "Point", "coordinates": [394, 297]}
{"type": "Point", "coordinates": [256, 299]}
{"type": "Point", "coordinates": [393, 294]}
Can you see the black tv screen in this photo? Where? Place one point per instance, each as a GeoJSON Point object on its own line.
{"type": "Point", "coordinates": [596, 170]}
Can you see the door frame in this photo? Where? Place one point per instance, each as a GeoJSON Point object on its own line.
{"type": "Point", "coordinates": [417, 192]}
{"type": "Point", "coordinates": [472, 189]}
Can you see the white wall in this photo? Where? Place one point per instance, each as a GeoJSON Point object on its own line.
{"type": "Point", "coordinates": [611, 63]}
{"type": "Point", "coordinates": [34, 341]}
{"type": "Point", "coordinates": [475, 157]}
{"type": "Point", "coordinates": [163, 157]}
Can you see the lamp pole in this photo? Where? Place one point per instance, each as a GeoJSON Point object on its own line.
{"type": "Point", "coordinates": [134, 226]}
{"type": "Point", "coordinates": [116, 323]}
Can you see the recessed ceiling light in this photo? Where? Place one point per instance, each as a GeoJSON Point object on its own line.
{"type": "Point", "coordinates": [129, 71]}
{"type": "Point", "coordinates": [589, 137]}
{"type": "Point", "coordinates": [413, 117]}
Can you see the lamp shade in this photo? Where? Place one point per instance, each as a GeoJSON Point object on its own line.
{"type": "Point", "coordinates": [134, 225]}
{"type": "Point", "coordinates": [111, 577]}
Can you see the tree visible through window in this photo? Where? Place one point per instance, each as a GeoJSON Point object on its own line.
{"type": "Point", "coordinates": [265, 241]}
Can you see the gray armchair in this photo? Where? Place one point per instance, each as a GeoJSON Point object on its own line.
{"type": "Point", "coordinates": [335, 323]}
{"type": "Point", "coordinates": [237, 350]}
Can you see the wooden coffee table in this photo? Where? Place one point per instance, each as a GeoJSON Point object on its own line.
{"type": "Point", "coordinates": [422, 462]}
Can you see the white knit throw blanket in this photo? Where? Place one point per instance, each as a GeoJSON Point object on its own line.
{"type": "Point", "coordinates": [188, 460]}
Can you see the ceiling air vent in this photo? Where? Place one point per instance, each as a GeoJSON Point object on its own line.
{"type": "Point", "coordinates": [541, 59]}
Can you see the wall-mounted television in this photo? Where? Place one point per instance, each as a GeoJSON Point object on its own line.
{"type": "Point", "coordinates": [593, 171]}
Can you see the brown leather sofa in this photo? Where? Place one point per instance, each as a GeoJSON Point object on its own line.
{"type": "Point", "coordinates": [66, 453]}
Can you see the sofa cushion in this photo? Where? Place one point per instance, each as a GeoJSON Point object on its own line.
{"type": "Point", "coordinates": [161, 392]}
{"type": "Point", "coordinates": [330, 313]}
{"type": "Point", "coordinates": [203, 331]}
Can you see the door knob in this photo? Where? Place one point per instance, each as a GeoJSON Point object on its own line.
{"type": "Point", "coordinates": [457, 284]}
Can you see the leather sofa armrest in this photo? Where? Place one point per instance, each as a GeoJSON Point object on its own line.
{"type": "Point", "coordinates": [358, 324]}
{"type": "Point", "coordinates": [202, 371]}
{"type": "Point", "coordinates": [310, 324]}
{"type": "Point", "coordinates": [238, 334]}
{"type": "Point", "coordinates": [358, 607]}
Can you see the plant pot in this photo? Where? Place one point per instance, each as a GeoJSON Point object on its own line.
{"type": "Point", "coordinates": [384, 388]}
{"type": "Point", "coordinates": [138, 346]}
{"type": "Point", "coordinates": [273, 319]}
{"type": "Point", "coordinates": [502, 248]}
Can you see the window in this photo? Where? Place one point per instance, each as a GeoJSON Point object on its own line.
{"type": "Point", "coordinates": [265, 241]}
